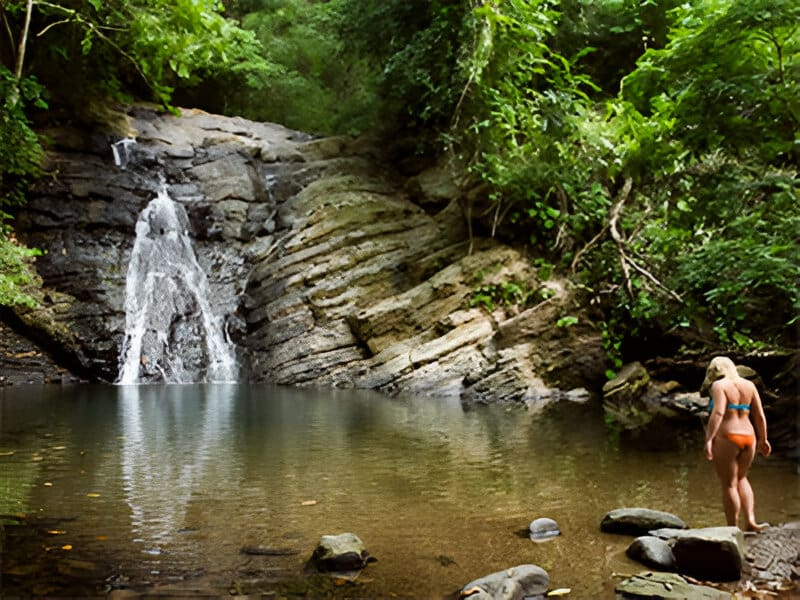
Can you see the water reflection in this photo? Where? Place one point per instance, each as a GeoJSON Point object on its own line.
{"type": "Point", "coordinates": [175, 445]}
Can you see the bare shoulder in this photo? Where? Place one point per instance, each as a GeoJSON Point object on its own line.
{"type": "Point", "coordinates": [746, 387]}
{"type": "Point", "coordinates": [721, 385]}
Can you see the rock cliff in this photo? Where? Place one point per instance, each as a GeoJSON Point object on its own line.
{"type": "Point", "coordinates": [328, 266]}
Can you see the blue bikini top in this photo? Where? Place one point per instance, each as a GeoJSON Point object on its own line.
{"type": "Point", "coordinates": [730, 406]}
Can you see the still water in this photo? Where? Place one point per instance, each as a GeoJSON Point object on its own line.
{"type": "Point", "coordinates": [159, 488]}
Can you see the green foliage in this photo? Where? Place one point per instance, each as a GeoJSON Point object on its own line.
{"type": "Point", "coordinates": [423, 51]}
{"type": "Point", "coordinates": [490, 295]}
{"type": "Point", "coordinates": [728, 78]}
{"type": "Point", "coordinates": [318, 86]}
{"type": "Point", "coordinates": [567, 321]}
{"type": "Point", "coordinates": [611, 35]}
{"type": "Point", "coordinates": [20, 163]}
{"type": "Point", "coordinates": [16, 270]}
{"type": "Point", "coordinates": [144, 47]}
{"type": "Point", "coordinates": [20, 150]}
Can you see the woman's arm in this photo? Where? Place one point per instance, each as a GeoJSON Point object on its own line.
{"type": "Point", "coordinates": [759, 424]}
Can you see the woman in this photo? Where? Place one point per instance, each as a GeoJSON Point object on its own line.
{"type": "Point", "coordinates": [731, 439]}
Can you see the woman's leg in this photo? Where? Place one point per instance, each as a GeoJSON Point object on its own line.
{"type": "Point", "coordinates": [746, 496]}
{"type": "Point", "coordinates": [727, 466]}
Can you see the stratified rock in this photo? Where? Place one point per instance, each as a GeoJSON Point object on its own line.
{"type": "Point", "coordinates": [652, 552]}
{"type": "Point", "coordinates": [666, 586]}
{"type": "Point", "coordinates": [327, 265]}
{"type": "Point", "coordinates": [638, 521]}
{"type": "Point", "coordinates": [516, 583]}
{"type": "Point", "coordinates": [343, 552]}
{"type": "Point", "coordinates": [710, 553]}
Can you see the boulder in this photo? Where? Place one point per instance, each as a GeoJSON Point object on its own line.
{"type": "Point", "coordinates": [638, 521]}
{"type": "Point", "coordinates": [516, 583]}
{"type": "Point", "coordinates": [652, 552]}
{"type": "Point", "coordinates": [342, 552]}
{"type": "Point", "coordinates": [710, 553]}
{"type": "Point", "coordinates": [666, 586]}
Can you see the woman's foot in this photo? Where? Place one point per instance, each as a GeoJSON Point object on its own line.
{"type": "Point", "coordinates": [756, 527]}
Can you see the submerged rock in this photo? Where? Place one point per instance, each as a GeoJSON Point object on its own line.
{"type": "Point", "coordinates": [340, 553]}
{"type": "Point", "coordinates": [516, 583]}
{"type": "Point", "coordinates": [639, 521]}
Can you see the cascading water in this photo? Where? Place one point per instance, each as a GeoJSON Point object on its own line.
{"type": "Point", "coordinates": [171, 332]}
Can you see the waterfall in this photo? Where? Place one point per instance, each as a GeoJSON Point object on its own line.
{"type": "Point", "coordinates": [122, 152]}
{"type": "Point", "coordinates": [171, 333]}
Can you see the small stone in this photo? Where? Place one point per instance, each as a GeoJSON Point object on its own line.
{"type": "Point", "coordinates": [543, 529]}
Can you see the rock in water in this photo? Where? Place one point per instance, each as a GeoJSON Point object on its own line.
{"type": "Point", "coordinates": [652, 552]}
{"type": "Point", "coordinates": [343, 552]}
{"type": "Point", "coordinates": [523, 581]}
{"type": "Point", "coordinates": [543, 529]}
{"type": "Point", "coordinates": [638, 521]}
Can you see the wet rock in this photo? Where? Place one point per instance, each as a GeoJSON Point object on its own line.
{"type": "Point", "coordinates": [640, 404]}
{"type": "Point", "coordinates": [666, 586]}
{"type": "Point", "coordinates": [638, 521]}
{"type": "Point", "coordinates": [710, 553]}
{"type": "Point", "coordinates": [516, 583]}
{"type": "Point", "coordinates": [652, 552]}
{"type": "Point", "coordinates": [543, 529]}
{"type": "Point", "coordinates": [340, 553]}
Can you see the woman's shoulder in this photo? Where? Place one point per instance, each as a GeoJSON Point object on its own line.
{"type": "Point", "coordinates": [722, 383]}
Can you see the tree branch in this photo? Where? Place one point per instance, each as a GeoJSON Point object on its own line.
{"type": "Point", "coordinates": [652, 278]}
{"type": "Point", "coordinates": [23, 40]}
{"type": "Point", "coordinates": [614, 216]}
{"type": "Point", "coordinates": [586, 248]}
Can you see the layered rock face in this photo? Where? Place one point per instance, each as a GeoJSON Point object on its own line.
{"type": "Point", "coordinates": [327, 267]}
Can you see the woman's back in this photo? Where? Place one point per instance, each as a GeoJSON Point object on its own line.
{"type": "Point", "coordinates": [739, 394]}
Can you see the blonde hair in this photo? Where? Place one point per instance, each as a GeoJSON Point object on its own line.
{"type": "Point", "coordinates": [719, 367]}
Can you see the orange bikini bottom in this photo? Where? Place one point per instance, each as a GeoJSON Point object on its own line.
{"type": "Point", "coordinates": [741, 440]}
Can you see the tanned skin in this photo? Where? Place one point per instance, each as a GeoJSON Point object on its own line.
{"type": "Point", "coordinates": [732, 462]}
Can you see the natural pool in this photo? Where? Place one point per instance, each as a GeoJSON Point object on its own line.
{"type": "Point", "coordinates": [158, 488]}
